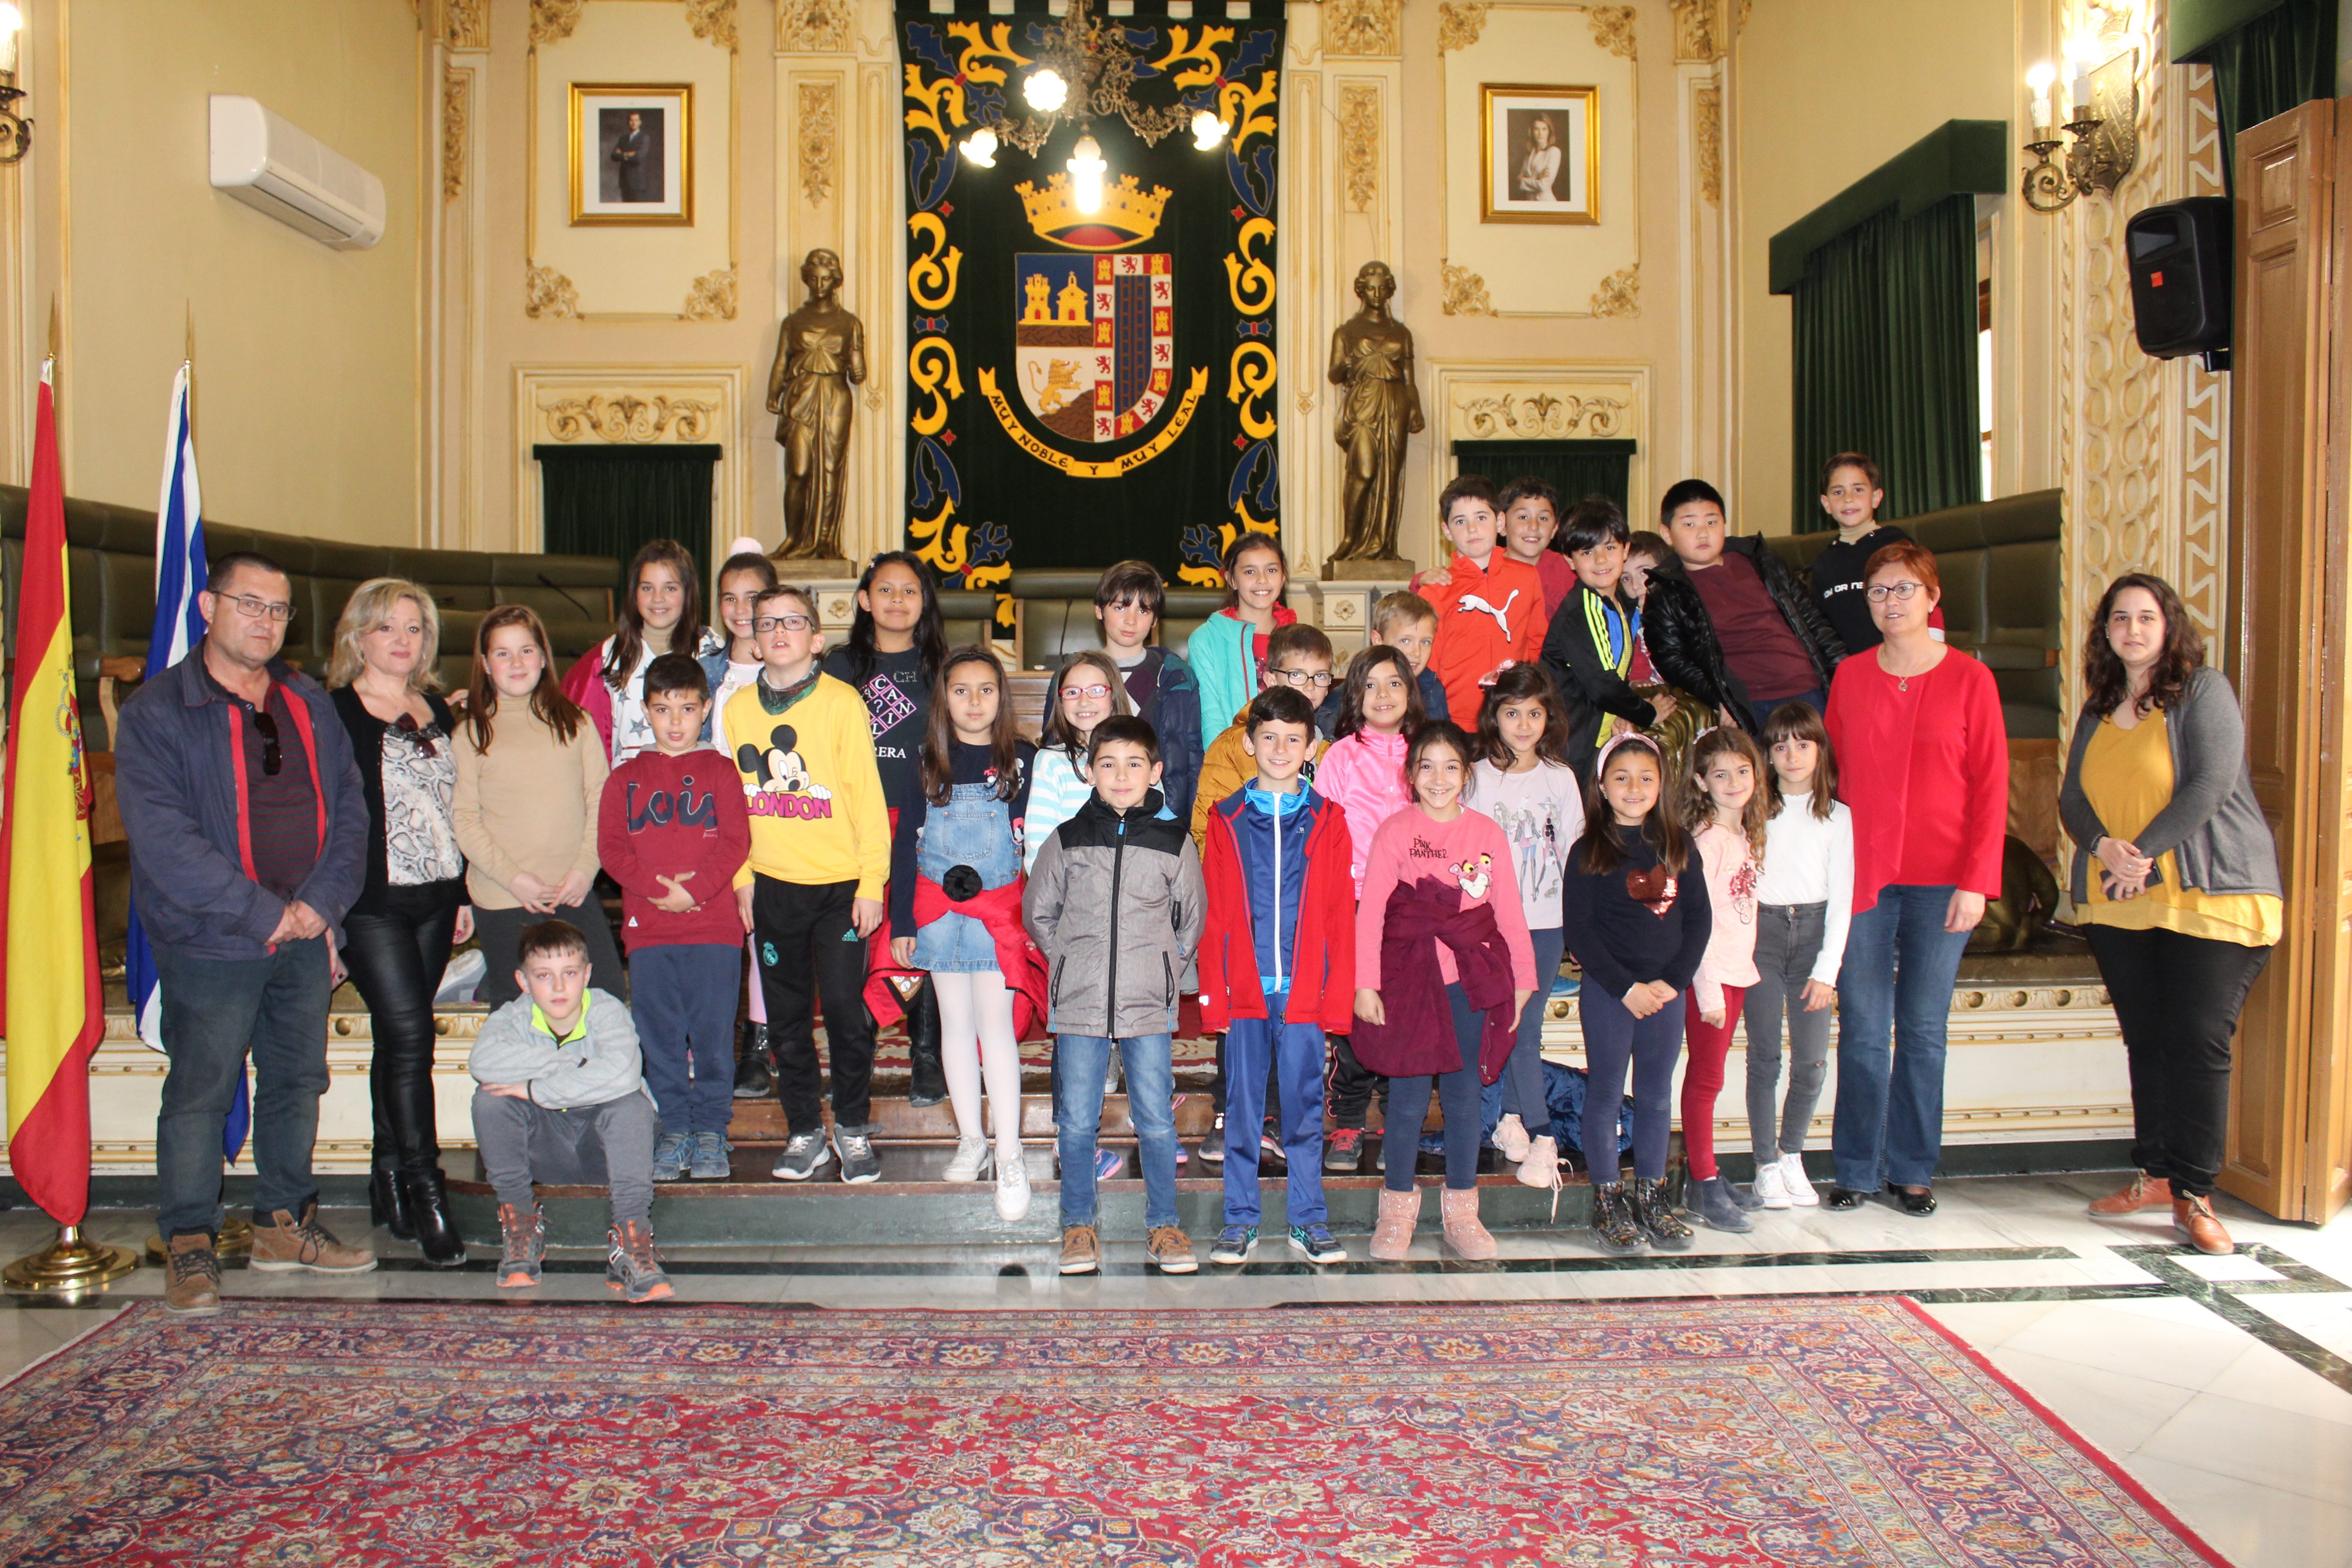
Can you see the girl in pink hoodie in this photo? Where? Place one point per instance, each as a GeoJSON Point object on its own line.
{"type": "Point", "coordinates": [1362, 771]}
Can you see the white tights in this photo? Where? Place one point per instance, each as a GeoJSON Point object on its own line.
{"type": "Point", "coordinates": [976, 1040]}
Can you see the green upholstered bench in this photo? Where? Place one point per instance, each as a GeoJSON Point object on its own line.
{"type": "Point", "coordinates": [1055, 615]}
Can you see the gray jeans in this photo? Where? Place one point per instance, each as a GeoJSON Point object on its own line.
{"type": "Point", "coordinates": [609, 1145]}
{"type": "Point", "coordinates": [1787, 942]}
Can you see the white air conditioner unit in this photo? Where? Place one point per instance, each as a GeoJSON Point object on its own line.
{"type": "Point", "coordinates": [293, 176]}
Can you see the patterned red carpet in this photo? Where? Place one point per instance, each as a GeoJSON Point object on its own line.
{"type": "Point", "coordinates": [1700, 1434]}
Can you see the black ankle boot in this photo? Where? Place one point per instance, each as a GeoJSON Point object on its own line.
{"type": "Point", "coordinates": [426, 1193]}
{"type": "Point", "coordinates": [929, 1078]}
{"type": "Point", "coordinates": [754, 1067]}
{"type": "Point", "coordinates": [1657, 1216]}
{"type": "Point", "coordinates": [1614, 1230]}
{"type": "Point", "coordinates": [387, 1205]}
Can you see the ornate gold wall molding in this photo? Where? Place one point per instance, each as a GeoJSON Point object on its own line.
{"type": "Point", "coordinates": [712, 297]}
{"type": "Point", "coordinates": [817, 26]}
{"type": "Point", "coordinates": [466, 23]}
{"type": "Point", "coordinates": [1459, 23]}
{"type": "Point", "coordinates": [2205, 408]}
{"type": "Point", "coordinates": [677, 402]}
{"type": "Point", "coordinates": [1538, 416]}
{"type": "Point", "coordinates": [552, 21]}
{"type": "Point", "coordinates": [818, 146]}
{"type": "Point", "coordinates": [714, 20]}
{"type": "Point", "coordinates": [457, 111]}
{"type": "Point", "coordinates": [548, 294]}
{"type": "Point", "coordinates": [1620, 293]}
{"type": "Point", "coordinates": [1360, 144]}
{"type": "Point", "coordinates": [1363, 28]}
{"type": "Point", "coordinates": [1612, 28]}
{"type": "Point", "coordinates": [623, 418]}
{"type": "Point", "coordinates": [1461, 292]}
{"type": "Point", "coordinates": [1707, 142]}
{"type": "Point", "coordinates": [1541, 400]}
{"type": "Point", "coordinates": [1698, 30]}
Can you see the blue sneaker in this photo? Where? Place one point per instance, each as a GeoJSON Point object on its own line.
{"type": "Point", "coordinates": [1109, 1162]}
{"type": "Point", "coordinates": [1235, 1244]}
{"type": "Point", "coordinates": [711, 1162]}
{"type": "Point", "coordinates": [673, 1151]}
{"type": "Point", "coordinates": [1318, 1243]}
{"type": "Point", "coordinates": [1566, 985]}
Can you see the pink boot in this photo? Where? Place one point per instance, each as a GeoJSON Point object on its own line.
{"type": "Point", "coordinates": [1468, 1238]}
{"type": "Point", "coordinates": [1393, 1236]}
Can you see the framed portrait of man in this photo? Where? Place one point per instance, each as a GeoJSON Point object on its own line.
{"type": "Point", "coordinates": [632, 153]}
{"type": "Point", "coordinates": [1539, 153]}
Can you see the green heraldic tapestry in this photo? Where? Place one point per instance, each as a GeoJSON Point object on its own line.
{"type": "Point", "coordinates": [1090, 283]}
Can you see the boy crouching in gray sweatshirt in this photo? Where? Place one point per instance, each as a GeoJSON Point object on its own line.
{"type": "Point", "coordinates": [562, 1102]}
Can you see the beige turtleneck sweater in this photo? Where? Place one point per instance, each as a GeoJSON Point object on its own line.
{"type": "Point", "coordinates": [529, 804]}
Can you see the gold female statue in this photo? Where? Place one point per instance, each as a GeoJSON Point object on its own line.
{"type": "Point", "coordinates": [1371, 356]}
{"type": "Point", "coordinates": [819, 355]}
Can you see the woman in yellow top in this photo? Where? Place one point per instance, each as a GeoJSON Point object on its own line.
{"type": "Point", "coordinates": [2176, 878]}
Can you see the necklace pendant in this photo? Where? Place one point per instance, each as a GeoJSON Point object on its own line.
{"type": "Point", "coordinates": [1902, 683]}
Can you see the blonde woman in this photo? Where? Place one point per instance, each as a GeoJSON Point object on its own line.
{"type": "Point", "coordinates": [397, 937]}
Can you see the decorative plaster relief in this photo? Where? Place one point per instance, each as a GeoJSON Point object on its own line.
{"type": "Point", "coordinates": [1620, 293]}
{"type": "Point", "coordinates": [1536, 415]}
{"type": "Point", "coordinates": [1612, 28]}
{"type": "Point", "coordinates": [552, 21]}
{"type": "Point", "coordinates": [713, 19]}
{"type": "Point", "coordinates": [819, 124]}
{"type": "Point", "coordinates": [712, 297]}
{"type": "Point", "coordinates": [1697, 30]}
{"type": "Point", "coordinates": [1459, 25]}
{"type": "Point", "coordinates": [466, 23]}
{"type": "Point", "coordinates": [1707, 142]}
{"type": "Point", "coordinates": [1360, 144]}
{"type": "Point", "coordinates": [623, 418]}
{"type": "Point", "coordinates": [817, 26]}
{"type": "Point", "coordinates": [547, 293]}
{"type": "Point", "coordinates": [456, 105]}
{"type": "Point", "coordinates": [1463, 292]}
{"type": "Point", "coordinates": [1360, 28]}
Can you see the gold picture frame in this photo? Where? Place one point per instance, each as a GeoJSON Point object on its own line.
{"type": "Point", "coordinates": [607, 189]}
{"type": "Point", "coordinates": [1525, 188]}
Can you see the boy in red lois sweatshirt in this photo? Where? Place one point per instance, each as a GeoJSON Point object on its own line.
{"type": "Point", "coordinates": [1490, 607]}
{"type": "Point", "coordinates": [673, 831]}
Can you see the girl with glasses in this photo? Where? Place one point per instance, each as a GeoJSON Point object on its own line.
{"type": "Point", "coordinates": [1086, 690]}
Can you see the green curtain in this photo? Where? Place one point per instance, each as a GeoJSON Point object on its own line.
{"type": "Point", "coordinates": [1886, 361]}
{"type": "Point", "coordinates": [1574, 468]}
{"type": "Point", "coordinates": [614, 501]}
{"type": "Point", "coordinates": [2283, 58]}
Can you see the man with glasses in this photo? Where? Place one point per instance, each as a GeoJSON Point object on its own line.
{"type": "Point", "coordinates": [249, 836]}
{"type": "Point", "coordinates": [1775, 642]}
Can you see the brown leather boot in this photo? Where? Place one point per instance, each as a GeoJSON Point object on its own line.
{"type": "Point", "coordinates": [2142, 1192]}
{"type": "Point", "coordinates": [1393, 1233]}
{"type": "Point", "coordinates": [283, 1242]}
{"type": "Point", "coordinates": [2193, 1217]}
{"type": "Point", "coordinates": [192, 1283]}
{"type": "Point", "coordinates": [1470, 1240]}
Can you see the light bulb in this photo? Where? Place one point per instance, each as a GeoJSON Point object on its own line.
{"type": "Point", "coordinates": [1045, 91]}
{"type": "Point", "coordinates": [1207, 130]}
{"type": "Point", "coordinates": [1087, 170]}
{"type": "Point", "coordinates": [12, 23]}
{"type": "Point", "coordinates": [980, 148]}
{"type": "Point", "coordinates": [2040, 77]}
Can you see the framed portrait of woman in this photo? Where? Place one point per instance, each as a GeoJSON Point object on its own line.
{"type": "Point", "coordinates": [1539, 153]}
{"type": "Point", "coordinates": [632, 154]}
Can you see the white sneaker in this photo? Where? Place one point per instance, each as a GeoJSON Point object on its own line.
{"type": "Point", "coordinates": [971, 1162]}
{"type": "Point", "coordinates": [1511, 1139]}
{"type": "Point", "coordinates": [1772, 1186]}
{"type": "Point", "coordinates": [1012, 1190]}
{"type": "Point", "coordinates": [1801, 1186]}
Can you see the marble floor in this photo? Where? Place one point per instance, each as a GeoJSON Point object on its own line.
{"type": "Point", "coordinates": [2222, 1385]}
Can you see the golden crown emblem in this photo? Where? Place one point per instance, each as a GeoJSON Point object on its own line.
{"type": "Point", "coordinates": [1128, 211]}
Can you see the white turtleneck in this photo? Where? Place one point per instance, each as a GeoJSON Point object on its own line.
{"type": "Point", "coordinates": [1810, 861]}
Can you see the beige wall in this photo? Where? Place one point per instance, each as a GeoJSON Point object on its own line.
{"type": "Point", "coordinates": [307, 358]}
{"type": "Point", "coordinates": [1823, 92]}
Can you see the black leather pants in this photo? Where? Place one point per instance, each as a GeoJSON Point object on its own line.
{"type": "Point", "coordinates": [395, 956]}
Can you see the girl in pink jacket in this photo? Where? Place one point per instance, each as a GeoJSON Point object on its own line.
{"type": "Point", "coordinates": [1362, 772]}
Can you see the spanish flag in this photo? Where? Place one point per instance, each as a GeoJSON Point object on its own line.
{"type": "Point", "coordinates": [49, 987]}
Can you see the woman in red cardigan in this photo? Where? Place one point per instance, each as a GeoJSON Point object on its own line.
{"type": "Point", "coordinates": [1923, 756]}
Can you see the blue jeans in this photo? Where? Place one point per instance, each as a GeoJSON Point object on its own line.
{"type": "Point", "coordinates": [1296, 1051]}
{"type": "Point", "coordinates": [1896, 980]}
{"type": "Point", "coordinates": [214, 1012]}
{"type": "Point", "coordinates": [1817, 699]}
{"type": "Point", "coordinates": [682, 996]}
{"type": "Point", "coordinates": [1085, 1061]}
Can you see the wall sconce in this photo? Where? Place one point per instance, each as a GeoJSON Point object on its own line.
{"type": "Point", "coordinates": [15, 131]}
{"type": "Point", "coordinates": [2101, 116]}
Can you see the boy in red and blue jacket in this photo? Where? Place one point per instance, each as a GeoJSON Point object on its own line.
{"type": "Point", "coordinates": [1278, 966]}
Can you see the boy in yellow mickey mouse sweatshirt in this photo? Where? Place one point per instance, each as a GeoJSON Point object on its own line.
{"type": "Point", "coordinates": [811, 892]}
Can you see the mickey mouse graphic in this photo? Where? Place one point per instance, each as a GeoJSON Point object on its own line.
{"type": "Point", "coordinates": [1473, 883]}
{"type": "Point", "coordinates": [779, 769]}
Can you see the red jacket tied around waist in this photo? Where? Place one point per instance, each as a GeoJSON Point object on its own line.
{"type": "Point", "coordinates": [1418, 1039]}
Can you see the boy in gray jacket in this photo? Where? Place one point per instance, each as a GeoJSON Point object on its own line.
{"type": "Point", "coordinates": [1116, 904]}
{"type": "Point", "coordinates": [562, 1102]}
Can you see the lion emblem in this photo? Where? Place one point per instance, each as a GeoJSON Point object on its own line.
{"type": "Point", "coordinates": [1061, 380]}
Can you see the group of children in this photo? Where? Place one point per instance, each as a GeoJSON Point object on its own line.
{"type": "Point", "coordinates": [1382, 872]}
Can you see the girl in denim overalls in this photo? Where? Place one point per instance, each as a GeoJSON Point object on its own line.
{"type": "Point", "coordinates": [956, 881]}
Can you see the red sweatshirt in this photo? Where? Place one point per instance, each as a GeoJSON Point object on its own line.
{"type": "Point", "coordinates": [1924, 766]}
{"type": "Point", "coordinates": [663, 816]}
{"type": "Point", "coordinates": [1483, 618]}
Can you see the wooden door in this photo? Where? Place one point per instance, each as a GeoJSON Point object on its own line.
{"type": "Point", "coordinates": [2287, 644]}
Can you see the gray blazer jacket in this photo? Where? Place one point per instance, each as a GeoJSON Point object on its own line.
{"type": "Point", "coordinates": [2214, 826]}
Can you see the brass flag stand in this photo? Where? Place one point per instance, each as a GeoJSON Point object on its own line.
{"type": "Point", "coordinates": [70, 1264]}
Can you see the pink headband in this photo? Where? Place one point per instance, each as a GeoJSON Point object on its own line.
{"type": "Point", "coordinates": [1623, 738]}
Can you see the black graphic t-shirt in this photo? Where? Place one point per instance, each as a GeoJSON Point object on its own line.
{"type": "Point", "coordinates": [898, 703]}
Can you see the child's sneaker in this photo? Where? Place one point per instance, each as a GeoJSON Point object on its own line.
{"type": "Point", "coordinates": [1771, 1185]}
{"type": "Point", "coordinates": [1212, 1147]}
{"type": "Point", "coordinates": [1800, 1185]}
{"type": "Point", "coordinates": [859, 1162]}
{"type": "Point", "coordinates": [672, 1152]}
{"type": "Point", "coordinates": [1012, 1190]}
{"type": "Point", "coordinates": [1109, 1162]}
{"type": "Point", "coordinates": [1343, 1151]}
{"type": "Point", "coordinates": [1235, 1244]}
{"type": "Point", "coordinates": [1170, 1250]}
{"type": "Point", "coordinates": [1081, 1249]}
{"type": "Point", "coordinates": [804, 1157]}
{"type": "Point", "coordinates": [711, 1162]}
{"type": "Point", "coordinates": [522, 1247]}
{"type": "Point", "coordinates": [1318, 1243]}
{"type": "Point", "coordinates": [633, 1267]}
{"type": "Point", "coordinates": [971, 1162]}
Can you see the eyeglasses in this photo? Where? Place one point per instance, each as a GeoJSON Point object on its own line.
{"type": "Point", "coordinates": [1071, 693]}
{"type": "Point", "coordinates": [1899, 592]}
{"type": "Point", "coordinates": [272, 757]}
{"type": "Point", "coordinates": [767, 624]}
{"type": "Point", "coordinates": [1319, 681]}
{"type": "Point", "coordinates": [406, 725]}
{"type": "Point", "coordinates": [254, 609]}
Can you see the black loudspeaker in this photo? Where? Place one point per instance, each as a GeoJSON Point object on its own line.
{"type": "Point", "coordinates": [2181, 265]}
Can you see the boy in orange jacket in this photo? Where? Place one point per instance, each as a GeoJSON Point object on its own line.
{"type": "Point", "coordinates": [1490, 607]}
